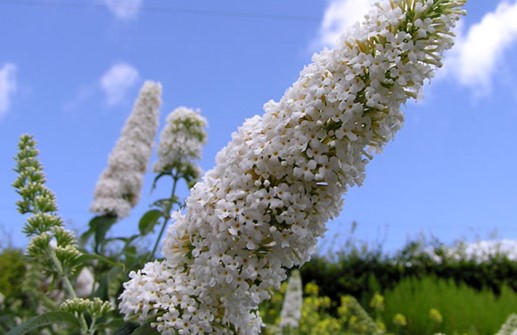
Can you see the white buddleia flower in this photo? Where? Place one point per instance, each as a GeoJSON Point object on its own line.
{"type": "Point", "coordinates": [84, 283]}
{"type": "Point", "coordinates": [181, 142]}
{"type": "Point", "coordinates": [118, 188]}
{"type": "Point", "coordinates": [291, 313]}
{"type": "Point", "coordinates": [2, 300]}
{"type": "Point", "coordinates": [509, 327]}
{"type": "Point", "coordinates": [263, 206]}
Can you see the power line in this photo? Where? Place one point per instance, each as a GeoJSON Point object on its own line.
{"type": "Point", "coordinates": [164, 10]}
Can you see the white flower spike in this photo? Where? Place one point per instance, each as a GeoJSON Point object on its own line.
{"type": "Point", "coordinates": [118, 188]}
{"type": "Point", "coordinates": [291, 313]}
{"type": "Point", "coordinates": [181, 142]}
{"type": "Point", "coordinates": [283, 175]}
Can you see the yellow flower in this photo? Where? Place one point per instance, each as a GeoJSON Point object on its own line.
{"type": "Point", "coordinates": [435, 315]}
{"type": "Point", "coordinates": [399, 320]}
{"type": "Point", "coordinates": [312, 289]}
{"type": "Point", "coordinates": [377, 302]}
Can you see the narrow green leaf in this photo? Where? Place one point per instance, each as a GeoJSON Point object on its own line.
{"type": "Point", "coordinates": [126, 240]}
{"type": "Point", "coordinates": [133, 328]}
{"type": "Point", "coordinates": [83, 239]}
{"type": "Point", "coordinates": [149, 220]}
{"type": "Point", "coordinates": [127, 328]}
{"type": "Point", "coordinates": [88, 257]}
{"type": "Point", "coordinates": [47, 319]}
{"type": "Point", "coordinates": [145, 329]}
{"type": "Point", "coordinates": [111, 325]}
{"type": "Point", "coordinates": [131, 254]}
{"type": "Point", "coordinates": [158, 177]}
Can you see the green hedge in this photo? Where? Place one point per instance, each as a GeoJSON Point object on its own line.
{"type": "Point", "coordinates": [361, 272]}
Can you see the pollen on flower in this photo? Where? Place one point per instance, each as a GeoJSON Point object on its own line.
{"type": "Point", "coordinates": [262, 207]}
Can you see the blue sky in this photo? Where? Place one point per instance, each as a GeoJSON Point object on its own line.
{"type": "Point", "coordinates": [71, 69]}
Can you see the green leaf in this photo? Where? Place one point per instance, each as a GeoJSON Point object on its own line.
{"type": "Point", "coordinates": [131, 254]}
{"type": "Point", "coordinates": [83, 239]}
{"type": "Point", "coordinates": [101, 225]}
{"type": "Point", "coordinates": [158, 177]}
{"type": "Point", "coordinates": [133, 328]}
{"type": "Point", "coordinates": [88, 257]}
{"type": "Point", "coordinates": [47, 319]}
{"type": "Point", "coordinates": [149, 220]}
{"type": "Point", "coordinates": [113, 324]}
{"type": "Point", "coordinates": [166, 203]}
{"type": "Point", "coordinates": [145, 330]}
{"type": "Point", "coordinates": [127, 328]}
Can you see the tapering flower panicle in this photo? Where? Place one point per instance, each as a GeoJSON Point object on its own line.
{"type": "Point", "coordinates": [118, 188]}
{"type": "Point", "coordinates": [30, 182]}
{"type": "Point", "coordinates": [282, 177]}
{"type": "Point", "coordinates": [181, 142]}
{"type": "Point", "coordinates": [291, 313]}
{"type": "Point", "coordinates": [44, 226]}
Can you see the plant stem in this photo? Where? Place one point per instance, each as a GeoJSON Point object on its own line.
{"type": "Point", "coordinates": [68, 286]}
{"type": "Point", "coordinates": [167, 216]}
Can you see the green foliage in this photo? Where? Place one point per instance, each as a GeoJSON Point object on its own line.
{"type": "Point", "coordinates": [361, 271]}
{"type": "Point", "coordinates": [99, 226]}
{"type": "Point", "coordinates": [38, 292]}
{"type": "Point", "coordinates": [55, 319]}
{"type": "Point", "coordinates": [424, 306]}
{"type": "Point", "coordinates": [13, 268]}
{"type": "Point", "coordinates": [431, 304]}
{"type": "Point", "coordinates": [426, 288]}
{"type": "Point", "coordinates": [51, 245]}
{"type": "Point", "coordinates": [149, 220]}
{"type": "Point", "coordinates": [317, 317]}
{"type": "Point", "coordinates": [356, 270]}
{"type": "Point", "coordinates": [509, 327]}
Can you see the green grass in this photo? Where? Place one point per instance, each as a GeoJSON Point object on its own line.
{"type": "Point", "coordinates": [464, 310]}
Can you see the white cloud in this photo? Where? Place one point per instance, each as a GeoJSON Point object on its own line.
{"type": "Point", "coordinates": [117, 81]}
{"type": "Point", "coordinates": [478, 52]}
{"type": "Point", "coordinates": [481, 250]}
{"type": "Point", "coordinates": [81, 96]}
{"type": "Point", "coordinates": [339, 15]}
{"type": "Point", "coordinates": [124, 9]}
{"type": "Point", "coordinates": [7, 86]}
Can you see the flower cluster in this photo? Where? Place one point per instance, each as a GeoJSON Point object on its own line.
{"type": "Point", "coordinates": [282, 177]}
{"type": "Point", "coordinates": [399, 320]}
{"type": "Point", "coordinates": [51, 245]}
{"type": "Point", "coordinates": [95, 308]}
{"type": "Point", "coordinates": [118, 188]}
{"type": "Point", "coordinates": [357, 318]}
{"type": "Point", "coordinates": [292, 306]}
{"type": "Point", "coordinates": [181, 142]}
{"type": "Point", "coordinates": [435, 315]}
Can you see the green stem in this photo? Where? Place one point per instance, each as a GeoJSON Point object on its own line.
{"type": "Point", "coordinates": [93, 326]}
{"type": "Point", "coordinates": [68, 286]}
{"type": "Point", "coordinates": [167, 216]}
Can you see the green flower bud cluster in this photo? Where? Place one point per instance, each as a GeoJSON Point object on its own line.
{"type": "Point", "coordinates": [95, 308]}
{"type": "Point", "coordinates": [30, 183]}
{"type": "Point", "coordinates": [51, 245]}
{"type": "Point", "coordinates": [52, 248]}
